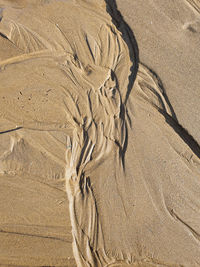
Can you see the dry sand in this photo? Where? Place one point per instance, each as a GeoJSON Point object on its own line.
{"type": "Point", "coordinates": [99, 159]}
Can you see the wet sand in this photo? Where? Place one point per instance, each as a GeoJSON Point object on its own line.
{"type": "Point", "coordinates": [99, 151]}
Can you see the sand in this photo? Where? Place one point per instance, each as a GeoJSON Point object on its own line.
{"type": "Point", "coordinates": [99, 151]}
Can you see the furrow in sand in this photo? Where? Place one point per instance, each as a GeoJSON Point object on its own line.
{"type": "Point", "coordinates": [195, 4]}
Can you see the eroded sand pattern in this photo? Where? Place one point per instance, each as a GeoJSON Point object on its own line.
{"type": "Point", "coordinates": [195, 4]}
{"type": "Point", "coordinates": [79, 115]}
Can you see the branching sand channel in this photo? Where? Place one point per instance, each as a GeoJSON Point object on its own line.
{"type": "Point", "coordinates": [77, 108]}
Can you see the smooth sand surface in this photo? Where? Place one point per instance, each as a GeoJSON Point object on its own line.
{"type": "Point", "coordinates": [167, 33]}
{"type": "Point", "coordinates": [99, 158]}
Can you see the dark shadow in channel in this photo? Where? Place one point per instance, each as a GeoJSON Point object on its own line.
{"type": "Point", "coordinates": [130, 40]}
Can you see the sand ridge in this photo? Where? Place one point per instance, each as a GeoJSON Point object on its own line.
{"type": "Point", "coordinates": [195, 4]}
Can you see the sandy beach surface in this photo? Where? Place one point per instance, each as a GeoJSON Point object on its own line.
{"type": "Point", "coordinates": [99, 133]}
